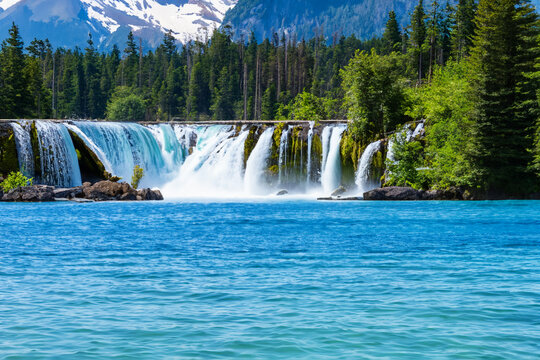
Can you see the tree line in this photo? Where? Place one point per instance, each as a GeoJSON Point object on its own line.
{"type": "Point", "coordinates": [216, 77]}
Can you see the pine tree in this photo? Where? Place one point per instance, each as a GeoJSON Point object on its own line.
{"type": "Point", "coordinates": [392, 35]}
{"type": "Point", "coordinates": [504, 56]}
{"type": "Point", "coordinates": [14, 92]}
{"type": "Point", "coordinates": [463, 29]}
{"type": "Point", "coordinates": [418, 37]}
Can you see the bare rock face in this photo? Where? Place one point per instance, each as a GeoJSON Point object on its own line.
{"type": "Point", "coordinates": [36, 193]}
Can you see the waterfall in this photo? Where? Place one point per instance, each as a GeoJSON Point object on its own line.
{"type": "Point", "coordinates": [58, 158]}
{"type": "Point", "coordinates": [310, 142]}
{"type": "Point", "coordinates": [121, 146]}
{"type": "Point", "coordinates": [216, 167]}
{"type": "Point", "coordinates": [331, 175]}
{"type": "Point", "coordinates": [283, 147]}
{"type": "Point", "coordinates": [326, 134]}
{"type": "Point", "coordinates": [24, 149]}
{"type": "Point", "coordinates": [171, 151]}
{"type": "Point", "coordinates": [257, 162]}
{"type": "Point", "coordinates": [186, 160]}
{"type": "Point", "coordinates": [364, 179]}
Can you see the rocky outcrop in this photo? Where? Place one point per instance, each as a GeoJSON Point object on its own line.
{"type": "Point", "coordinates": [101, 191]}
{"type": "Point", "coordinates": [409, 194]}
{"type": "Point", "coordinates": [35, 193]}
{"type": "Point", "coordinates": [282, 192]}
{"type": "Point", "coordinates": [109, 190]}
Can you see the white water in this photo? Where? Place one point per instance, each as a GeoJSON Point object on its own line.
{"type": "Point", "coordinates": [364, 179]}
{"type": "Point", "coordinates": [256, 165]}
{"type": "Point", "coordinates": [121, 146]}
{"type": "Point", "coordinates": [59, 163]}
{"type": "Point", "coordinates": [331, 175]}
{"type": "Point", "coordinates": [283, 147]}
{"type": "Point", "coordinates": [310, 143]}
{"type": "Point", "coordinates": [24, 149]}
{"type": "Point", "coordinates": [216, 167]}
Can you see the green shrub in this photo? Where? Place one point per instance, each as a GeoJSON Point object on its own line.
{"type": "Point", "coordinates": [126, 106]}
{"type": "Point", "coordinates": [15, 180]}
{"type": "Point", "coordinates": [138, 174]}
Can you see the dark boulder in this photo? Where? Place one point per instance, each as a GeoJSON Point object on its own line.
{"type": "Point", "coordinates": [448, 194]}
{"type": "Point", "coordinates": [394, 193]}
{"type": "Point", "coordinates": [107, 191]}
{"type": "Point", "coordinates": [282, 193]}
{"type": "Point", "coordinates": [69, 193]}
{"type": "Point", "coordinates": [36, 193]}
{"type": "Point", "coordinates": [407, 193]}
{"type": "Point", "coordinates": [150, 195]}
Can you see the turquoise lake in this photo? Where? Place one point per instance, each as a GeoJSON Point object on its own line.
{"type": "Point", "coordinates": [270, 280]}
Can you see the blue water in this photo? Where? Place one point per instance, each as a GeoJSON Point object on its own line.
{"type": "Point", "coordinates": [274, 280]}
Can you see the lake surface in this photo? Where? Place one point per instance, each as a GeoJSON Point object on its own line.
{"type": "Point", "coordinates": [270, 280]}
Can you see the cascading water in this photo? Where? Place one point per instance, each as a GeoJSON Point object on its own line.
{"type": "Point", "coordinates": [256, 164]}
{"type": "Point", "coordinates": [24, 149]}
{"type": "Point", "coordinates": [331, 175]}
{"type": "Point", "coordinates": [310, 143]}
{"type": "Point", "coordinates": [122, 146]}
{"type": "Point", "coordinates": [171, 150]}
{"type": "Point", "coordinates": [216, 167]}
{"type": "Point", "coordinates": [283, 147]}
{"type": "Point", "coordinates": [58, 158]}
{"type": "Point", "coordinates": [364, 180]}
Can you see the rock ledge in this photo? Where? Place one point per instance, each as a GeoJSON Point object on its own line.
{"type": "Point", "coordinates": [100, 191]}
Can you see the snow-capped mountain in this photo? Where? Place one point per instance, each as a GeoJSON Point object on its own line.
{"type": "Point", "coordinates": [68, 22]}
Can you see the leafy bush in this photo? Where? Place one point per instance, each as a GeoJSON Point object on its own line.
{"type": "Point", "coordinates": [126, 106]}
{"type": "Point", "coordinates": [15, 180]}
{"type": "Point", "coordinates": [138, 174]}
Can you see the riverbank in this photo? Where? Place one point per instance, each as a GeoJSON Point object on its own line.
{"type": "Point", "coordinates": [88, 192]}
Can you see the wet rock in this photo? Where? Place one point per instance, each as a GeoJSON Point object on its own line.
{"type": "Point", "coordinates": [282, 193]}
{"type": "Point", "coordinates": [406, 193]}
{"type": "Point", "coordinates": [338, 198]}
{"type": "Point", "coordinates": [69, 193]}
{"type": "Point", "coordinates": [394, 193]}
{"type": "Point", "coordinates": [339, 191]}
{"type": "Point", "coordinates": [35, 193]}
{"type": "Point", "coordinates": [103, 191]}
{"type": "Point", "coordinates": [150, 195]}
